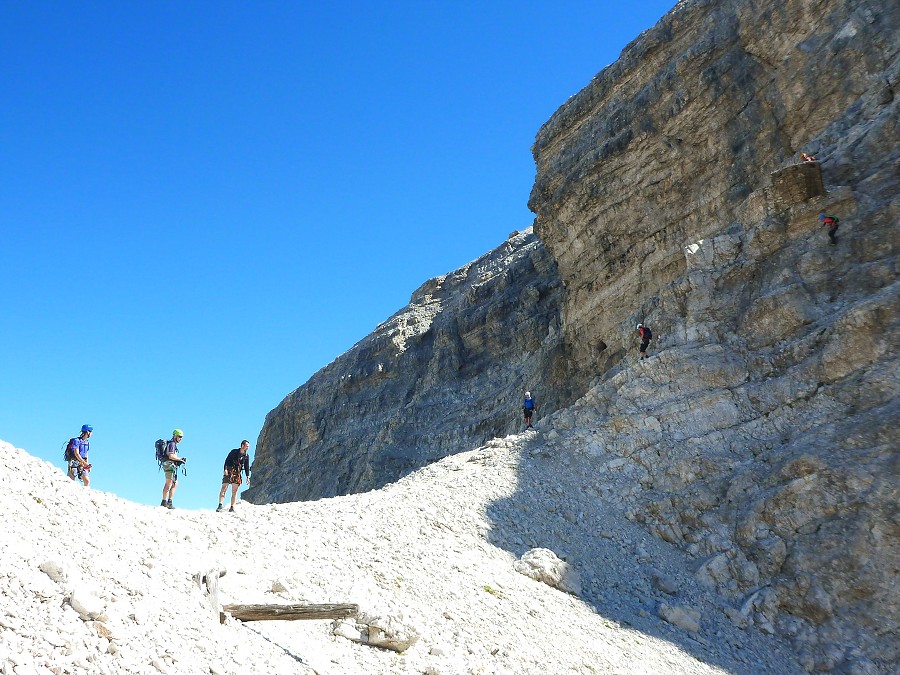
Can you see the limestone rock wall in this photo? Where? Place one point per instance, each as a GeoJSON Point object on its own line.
{"type": "Point", "coordinates": [443, 375]}
{"type": "Point", "coordinates": [761, 435]}
{"type": "Point", "coordinates": [668, 145]}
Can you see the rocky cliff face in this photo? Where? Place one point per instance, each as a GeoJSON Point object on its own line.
{"type": "Point", "coordinates": [760, 435]}
{"type": "Point", "coordinates": [674, 143]}
{"type": "Point", "coordinates": [442, 375]}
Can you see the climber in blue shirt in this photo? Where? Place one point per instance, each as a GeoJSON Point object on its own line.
{"type": "Point", "coordinates": [77, 456]}
{"type": "Point", "coordinates": [528, 409]}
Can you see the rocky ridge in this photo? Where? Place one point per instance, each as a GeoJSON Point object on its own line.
{"type": "Point", "coordinates": [437, 377]}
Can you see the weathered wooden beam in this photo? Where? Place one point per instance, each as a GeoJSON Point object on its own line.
{"type": "Point", "coordinates": [289, 612]}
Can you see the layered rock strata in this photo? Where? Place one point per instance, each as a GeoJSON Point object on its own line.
{"type": "Point", "coordinates": [761, 434]}
{"type": "Point", "coordinates": [442, 375]}
{"type": "Point", "coordinates": [672, 143]}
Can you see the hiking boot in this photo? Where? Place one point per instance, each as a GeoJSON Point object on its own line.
{"type": "Point", "coordinates": [163, 502]}
{"type": "Point", "coordinates": [230, 509]}
{"type": "Point", "coordinates": [169, 504]}
{"type": "Point", "coordinates": [219, 508]}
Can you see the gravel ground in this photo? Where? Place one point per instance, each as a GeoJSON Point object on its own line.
{"type": "Point", "coordinates": [91, 583]}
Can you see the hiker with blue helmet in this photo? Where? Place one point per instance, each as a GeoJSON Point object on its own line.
{"type": "Point", "coordinates": [170, 467]}
{"type": "Point", "coordinates": [77, 455]}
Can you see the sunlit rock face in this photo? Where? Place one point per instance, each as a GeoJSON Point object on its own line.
{"type": "Point", "coordinates": [444, 374]}
{"type": "Point", "coordinates": [674, 143]}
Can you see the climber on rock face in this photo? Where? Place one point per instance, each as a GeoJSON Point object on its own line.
{"type": "Point", "coordinates": [646, 335]}
{"type": "Point", "coordinates": [807, 158]}
{"type": "Point", "coordinates": [528, 409]}
{"type": "Point", "coordinates": [831, 222]}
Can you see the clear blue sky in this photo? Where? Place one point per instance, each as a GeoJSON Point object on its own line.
{"type": "Point", "coordinates": [203, 203]}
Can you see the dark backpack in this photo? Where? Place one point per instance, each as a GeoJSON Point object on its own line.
{"type": "Point", "coordinates": [69, 453]}
{"type": "Point", "coordinates": [161, 454]}
{"type": "Point", "coordinates": [647, 334]}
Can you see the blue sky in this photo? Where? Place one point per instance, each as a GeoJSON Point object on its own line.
{"type": "Point", "coordinates": [203, 203]}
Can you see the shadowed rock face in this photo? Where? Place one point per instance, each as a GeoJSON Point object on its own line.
{"type": "Point", "coordinates": [444, 374]}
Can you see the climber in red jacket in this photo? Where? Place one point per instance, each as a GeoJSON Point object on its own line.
{"type": "Point", "coordinates": [646, 334]}
{"type": "Point", "coordinates": [831, 222]}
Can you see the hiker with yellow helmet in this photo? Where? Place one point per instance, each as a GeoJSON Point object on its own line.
{"type": "Point", "coordinates": [170, 466]}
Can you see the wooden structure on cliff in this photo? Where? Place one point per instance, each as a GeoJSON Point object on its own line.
{"type": "Point", "coordinates": [795, 184]}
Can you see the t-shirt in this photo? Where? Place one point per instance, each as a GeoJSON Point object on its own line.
{"type": "Point", "coordinates": [171, 449]}
{"type": "Point", "coordinates": [81, 446]}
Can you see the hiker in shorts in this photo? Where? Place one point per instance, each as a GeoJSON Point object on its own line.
{"type": "Point", "coordinates": [645, 335]}
{"type": "Point", "coordinates": [170, 467]}
{"type": "Point", "coordinates": [236, 462]}
{"type": "Point", "coordinates": [807, 158]}
{"type": "Point", "coordinates": [528, 409]}
{"type": "Point", "coordinates": [831, 222]}
{"type": "Point", "coordinates": [77, 456]}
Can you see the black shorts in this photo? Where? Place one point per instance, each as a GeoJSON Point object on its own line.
{"type": "Point", "coordinates": [528, 413]}
{"type": "Point", "coordinates": [644, 346]}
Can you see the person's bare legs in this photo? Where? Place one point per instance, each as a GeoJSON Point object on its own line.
{"type": "Point", "coordinates": [169, 489]}
{"type": "Point", "coordinates": [85, 477]}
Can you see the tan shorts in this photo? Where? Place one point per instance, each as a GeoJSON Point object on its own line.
{"type": "Point", "coordinates": [170, 470]}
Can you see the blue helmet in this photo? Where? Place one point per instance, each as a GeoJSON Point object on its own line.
{"type": "Point", "coordinates": [86, 427]}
